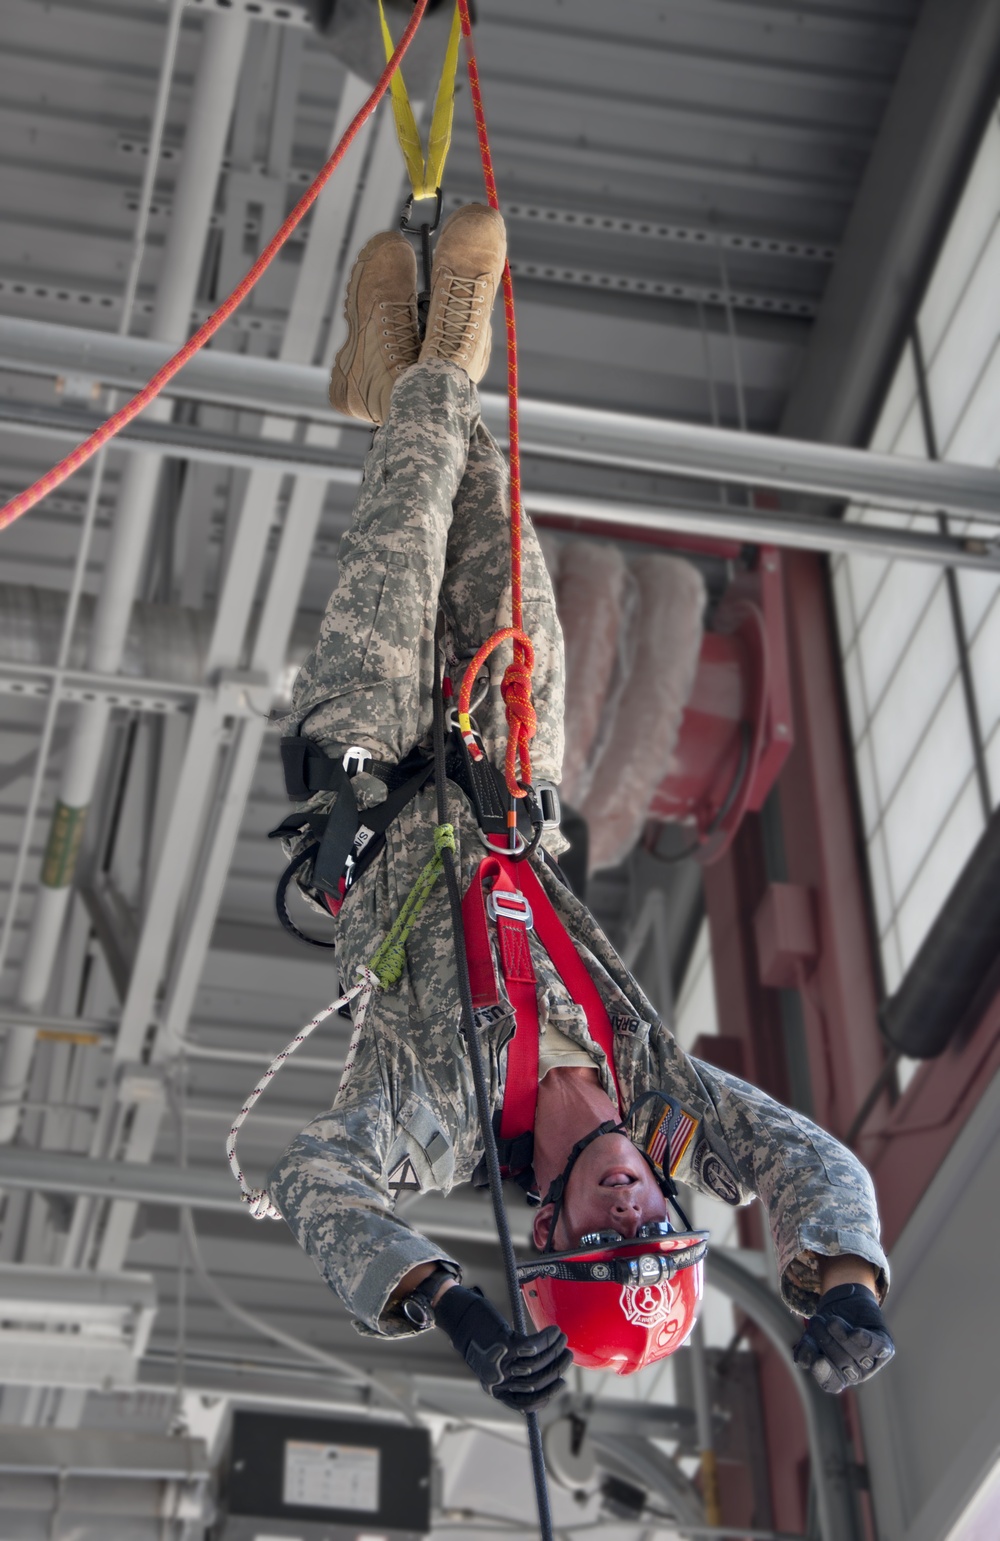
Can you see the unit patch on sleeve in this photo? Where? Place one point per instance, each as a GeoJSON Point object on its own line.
{"type": "Point", "coordinates": [402, 1178]}
{"type": "Point", "coordinates": [711, 1172]}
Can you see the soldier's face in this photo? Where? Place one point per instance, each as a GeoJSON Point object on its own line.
{"type": "Point", "coordinates": [610, 1189]}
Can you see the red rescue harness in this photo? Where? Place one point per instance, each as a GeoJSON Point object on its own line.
{"type": "Point", "coordinates": [510, 894]}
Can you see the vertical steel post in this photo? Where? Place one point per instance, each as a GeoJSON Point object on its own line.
{"type": "Point", "coordinates": [830, 1456]}
{"type": "Point", "coordinates": [703, 1413]}
{"type": "Point", "coordinates": [207, 128]}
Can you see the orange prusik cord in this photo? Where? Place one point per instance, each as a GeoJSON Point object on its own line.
{"type": "Point", "coordinates": [82, 453]}
{"type": "Point", "coordinates": [516, 687]}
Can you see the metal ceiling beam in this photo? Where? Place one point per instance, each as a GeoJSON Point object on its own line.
{"type": "Point", "coordinates": [724, 521]}
{"type": "Point", "coordinates": [237, 693]}
{"type": "Point", "coordinates": [946, 88]}
{"type": "Point", "coordinates": [554, 430]}
{"type": "Point", "coordinates": [202, 446]}
{"type": "Point", "coordinates": [96, 1030]}
{"type": "Point", "coordinates": [458, 1397]}
{"type": "Point", "coordinates": [213, 1189]}
{"type": "Point", "coordinates": [804, 532]}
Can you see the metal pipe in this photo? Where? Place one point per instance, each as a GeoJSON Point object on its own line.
{"type": "Point", "coordinates": [703, 1412]}
{"type": "Point", "coordinates": [807, 532]}
{"type": "Point", "coordinates": [554, 430]}
{"type": "Point", "coordinates": [95, 1031]}
{"type": "Point", "coordinates": [829, 1451]}
{"type": "Point", "coordinates": [207, 127]}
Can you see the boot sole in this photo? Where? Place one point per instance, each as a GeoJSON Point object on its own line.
{"type": "Point", "coordinates": [348, 349]}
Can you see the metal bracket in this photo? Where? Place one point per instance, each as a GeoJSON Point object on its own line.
{"type": "Point", "coordinates": [547, 794]}
{"type": "Point", "coordinates": [141, 1084]}
{"type": "Point", "coordinates": [242, 692]}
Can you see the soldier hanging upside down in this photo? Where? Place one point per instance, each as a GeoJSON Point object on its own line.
{"type": "Point", "coordinates": [615, 1108]}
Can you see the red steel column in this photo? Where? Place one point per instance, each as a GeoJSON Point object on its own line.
{"type": "Point", "coordinates": [824, 853]}
{"type": "Point", "coordinates": [838, 987]}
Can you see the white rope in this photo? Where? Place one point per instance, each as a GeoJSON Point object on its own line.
{"type": "Point", "coordinates": [257, 1199]}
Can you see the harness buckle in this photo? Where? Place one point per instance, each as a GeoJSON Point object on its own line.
{"type": "Point", "coordinates": [504, 905]}
{"type": "Point", "coordinates": [548, 801]}
{"type": "Point", "coordinates": [355, 759]}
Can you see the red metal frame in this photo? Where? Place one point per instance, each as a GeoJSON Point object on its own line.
{"type": "Point", "coordinates": [838, 985]}
{"type": "Point", "coordinates": [903, 1145]}
{"type": "Point", "coordinates": [737, 727]}
{"type": "Point", "coordinates": [910, 1140]}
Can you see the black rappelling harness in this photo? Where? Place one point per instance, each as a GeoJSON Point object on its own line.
{"type": "Point", "coordinates": [342, 842]}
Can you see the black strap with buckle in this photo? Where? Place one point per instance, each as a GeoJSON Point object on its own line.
{"type": "Point", "coordinates": [345, 840]}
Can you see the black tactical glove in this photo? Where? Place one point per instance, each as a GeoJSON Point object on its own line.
{"type": "Point", "coordinates": [846, 1341]}
{"type": "Point", "coordinates": [521, 1370]}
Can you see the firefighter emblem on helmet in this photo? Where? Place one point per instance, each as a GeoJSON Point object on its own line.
{"type": "Point", "coordinates": [646, 1304]}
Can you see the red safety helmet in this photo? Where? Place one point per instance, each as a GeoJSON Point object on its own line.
{"type": "Point", "coordinates": [622, 1304]}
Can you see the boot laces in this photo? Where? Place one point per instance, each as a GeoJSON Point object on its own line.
{"type": "Point", "coordinates": [400, 338]}
{"type": "Point", "coordinates": [460, 310]}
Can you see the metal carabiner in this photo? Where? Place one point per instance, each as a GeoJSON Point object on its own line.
{"type": "Point", "coordinates": [520, 851]}
{"type": "Point", "coordinates": [424, 231]}
{"type": "Point", "coordinates": [405, 222]}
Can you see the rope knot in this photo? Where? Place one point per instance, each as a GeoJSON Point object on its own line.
{"type": "Point", "coordinates": [260, 1206]}
{"type": "Point", "coordinates": [444, 838]}
{"type": "Point", "coordinates": [515, 689]}
{"type": "Point", "coordinates": [392, 961]}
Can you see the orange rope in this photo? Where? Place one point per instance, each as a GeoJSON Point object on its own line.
{"type": "Point", "coordinates": [82, 453]}
{"type": "Point", "coordinates": [516, 687]}
{"type": "Point", "coordinates": [516, 692]}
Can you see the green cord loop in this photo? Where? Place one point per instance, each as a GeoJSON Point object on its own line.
{"type": "Point", "coordinates": [389, 961]}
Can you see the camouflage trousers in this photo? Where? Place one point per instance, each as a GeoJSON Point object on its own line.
{"type": "Point", "coordinates": [431, 528]}
{"type": "Point", "coordinates": [431, 531]}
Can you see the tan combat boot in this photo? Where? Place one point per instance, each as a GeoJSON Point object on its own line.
{"type": "Point", "coordinates": [468, 263]}
{"type": "Point", "coordinates": [382, 336]}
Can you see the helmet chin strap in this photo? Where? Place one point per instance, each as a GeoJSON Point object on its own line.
{"type": "Point", "coordinates": [556, 1193]}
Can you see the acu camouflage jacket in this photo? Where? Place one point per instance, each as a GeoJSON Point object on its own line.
{"type": "Point", "coordinates": [407, 1105]}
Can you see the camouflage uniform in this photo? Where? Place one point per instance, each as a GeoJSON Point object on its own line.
{"type": "Point", "coordinates": [432, 521]}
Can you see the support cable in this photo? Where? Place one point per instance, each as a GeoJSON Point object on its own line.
{"type": "Point", "coordinates": [482, 1095]}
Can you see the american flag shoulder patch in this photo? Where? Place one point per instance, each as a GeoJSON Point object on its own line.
{"type": "Point", "coordinates": [671, 1136]}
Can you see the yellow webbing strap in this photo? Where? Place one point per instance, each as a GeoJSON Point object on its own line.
{"type": "Point", "coordinates": [425, 175]}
